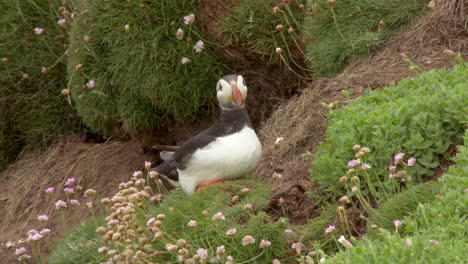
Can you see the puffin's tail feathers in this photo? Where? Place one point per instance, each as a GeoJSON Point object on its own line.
{"type": "Point", "coordinates": [169, 171]}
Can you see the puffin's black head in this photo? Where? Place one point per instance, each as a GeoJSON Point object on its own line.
{"type": "Point", "coordinates": [231, 92]}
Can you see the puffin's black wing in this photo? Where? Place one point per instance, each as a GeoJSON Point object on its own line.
{"type": "Point", "coordinates": [229, 122]}
{"type": "Point", "coordinates": [167, 169]}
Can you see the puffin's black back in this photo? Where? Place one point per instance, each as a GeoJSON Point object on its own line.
{"type": "Point", "coordinates": [229, 122]}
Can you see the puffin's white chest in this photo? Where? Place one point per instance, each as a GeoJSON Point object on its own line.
{"type": "Point", "coordinates": [227, 157]}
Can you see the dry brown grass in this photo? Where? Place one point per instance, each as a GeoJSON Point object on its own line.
{"type": "Point", "coordinates": [98, 166]}
{"type": "Point", "coordinates": [302, 120]}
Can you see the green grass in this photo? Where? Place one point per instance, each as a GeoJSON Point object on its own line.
{"type": "Point", "coordinates": [420, 117]}
{"type": "Point", "coordinates": [33, 112]}
{"type": "Point", "coordinates": [252, 25]}
{"type": "Point", "coordinates": [313, 233]}
{"type": "Point", "coordinates": [442, 220]}
{"type": "Point", "coordinates": [80, 246]}
{"type": "Point", "coordinates": [179, 209]}
{"type": "Point", "coordinates": [402, 204]}
{"type": "Point", "coordinates": [350, 29]}
{"type": "Point", "coordinates": [138, 74]}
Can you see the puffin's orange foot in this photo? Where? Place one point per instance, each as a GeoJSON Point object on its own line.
{"type": "Point", "coordinates": [203, 187]}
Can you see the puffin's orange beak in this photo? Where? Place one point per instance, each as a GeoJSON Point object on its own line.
{"type": "Point", "coordinates": [235, 94]}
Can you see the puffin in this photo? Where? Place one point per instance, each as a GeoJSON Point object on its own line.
{"type": "Point", "coordinates": [227, 150]}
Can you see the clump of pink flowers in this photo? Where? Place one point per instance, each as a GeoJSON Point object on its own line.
{"type": "Point", "coordinates": [330, 229]}
{"type": "Point", "coordinates": [199, 46]}
{"type": "Point", "coordinates": [60, 204]}
{"type": "Point", "coordinates": [38, 30]}
{"type": "Point", "coordinates": [190, 19]}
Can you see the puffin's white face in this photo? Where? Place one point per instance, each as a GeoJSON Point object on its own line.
{"type": "Point", "coordinates": [231, 92]}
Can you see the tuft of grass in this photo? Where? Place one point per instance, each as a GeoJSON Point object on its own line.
{"type": "Point", "coordinates": [420, 117]}
{"type": "Point", "coordinates": [313, 233]}
{"type": "Point", "coordinates": [402, 204]}
{"type": "Point", "coordinates": [435, 233]}
{"type": "Point", "coordinates": [252, 24]}
{"type": "Point", "coordinates": [351, 29]}
{"type": "Point", "coordinates": [175, 211]}
{"type": "Point", "coordinates": [33, 112]}
{"type": "Point", "coordinates": [80, 246]}
{"type": "Point", "coordinates": [134, 57]}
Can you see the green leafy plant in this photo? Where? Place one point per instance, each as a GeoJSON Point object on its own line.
{"type": "Point", "coordinates": [435, 233]}
{"type": "Point", "coordinates": [421, 117]}
{"type": "Point", "coordinates": [132, 57]}
{"type": "Point", "coordinates": [341, 30]}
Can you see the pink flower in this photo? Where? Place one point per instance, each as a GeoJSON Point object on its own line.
{"type": "Point", "coordinates": [354, 163]}
{"type": "Point", "coordinates": [147, 165]}
{"type": "Point", "coordinates": [102, 250]}
{"type": "Point", "coordinates": [32, 232]}
{"type": "Point", "coordinates": [192, 223]}
{"type": "Point", "coordinates": [248, 240]}
{"type": "Point", "coordinates": [34, 237]}
{"type": "Point", "coordinates": [354, 189]}
{"type": "Point", "coordinates": [70, 181]}
{"type": "Point", "coordinates": [398, 157]}
{"type": "Point", "coordinates": [298, 247]}
{"type": "Point", "coordinates": [38, 30]}
{"type": "Point", "coordinates": [448, 52]}
{"type": "Point", "coordinates": [199, 46]}
{"type": "Point", "coordinates": [276, 261]}
{"type": "Point", "coordinates": [78, 67]}
{"type": "Point", "coordinates": [218, 217]}
{"type": "Point", "coordinates": [74, 202]}
{"type": "Point", "coordinates": [50, 190]}
{"type": "Point", "coordinates": [69, 190]}
{"type": "Point", "coordinates": [180, 34]}
{"type": "Point", "coordinates": [202, 253]}
{"type": "Point", "coordinates": [392, 168]}
{"type": "Point", "coordinates": [411, 162]}
{"type": "Point", "coordinates": [60, 204]}
{"type": "Point", "coordinates": [20, 251]}
{"type": "Point", "coordinates": [397, 223]}
{"type": "Point", "coordinates": [190, 19]}
{"type": "Point", "coordinates": [45, 231]}
{"type": "Point", "coordinates": [62, 21]}
{"type": "Point", "coordinates": [265, 243]}
{"type": "Point", "coordinates": [91, 84]}
{"type": "Point", "coordinates": [23, 257]}
{"type": "Point", "coordinates": [86, 38]}
{"type": "Point", "coordinates": [365, 166]}
{"type": "Point", "coordinates": [329, 229]}
{"type": "Point", "coordinates": [185, 60]}
{"type": "Point", "coordinates": [43, 218]}
{"type": "Point", "coordinates": [231, 232]}
{"type": "Point", "coordinates": [220, 250]}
